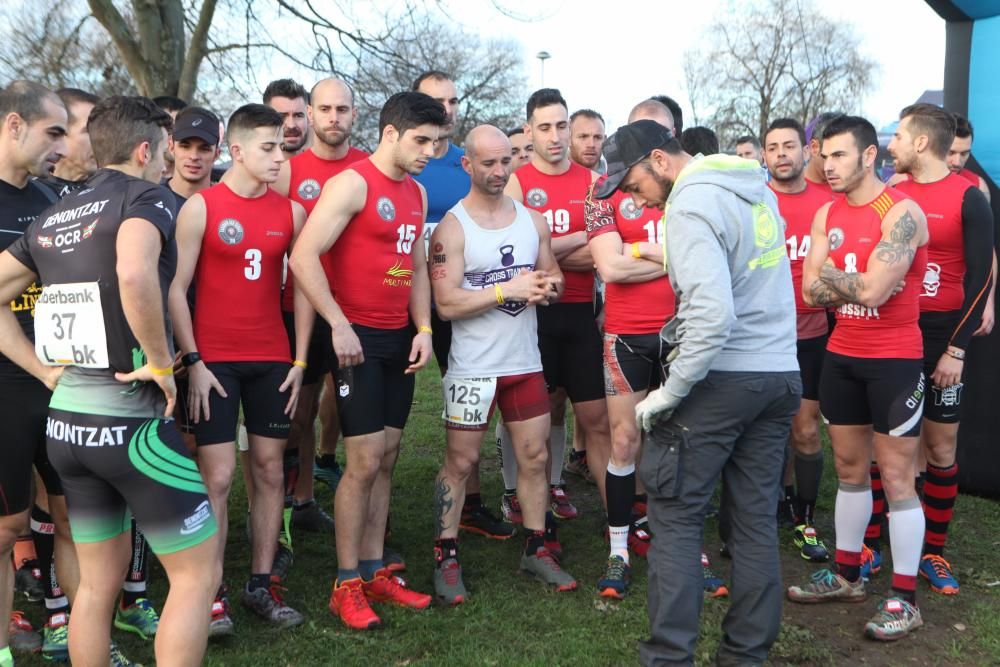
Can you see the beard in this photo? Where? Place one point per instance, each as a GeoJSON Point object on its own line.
{"type": "Point", "coordinates": [333, 138]}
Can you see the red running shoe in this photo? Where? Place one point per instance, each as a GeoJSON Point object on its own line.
{"type": "Point", "coordinates": [387, 587]}
{"type": "Point", "coordinates": [348, 601]}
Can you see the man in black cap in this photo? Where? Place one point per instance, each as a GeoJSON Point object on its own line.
{"type": "Point", "coordinates": [194, 146]}
{"type": "Point", "coordinates": [727, 405]}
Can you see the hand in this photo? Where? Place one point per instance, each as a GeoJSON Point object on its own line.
{"type": "Point", "coordinates": [50, 376]}
{"type": "Point", "coordinates": [179, 369]}
{"type": "Point", "coordinates": [948, 371]}
{"type": "Point", "coordinates": [657, 405]}
{"type": "Point", "coordinates": [166, 384]}
{"type": "Point", "coordinates": [346, 345]}
{"type": "Point", "coordinates": [420, 352]}
{"type": "Point", "coordinates": [200, 386]}
{"type": "Point", "coordinates": [529, 286]}
{"type": "Point", "coordinates": [989, 318]}
{"type": "Point", "coordinates": [294, 381]}
{"type": "Point", "coordinates": [898, 288]}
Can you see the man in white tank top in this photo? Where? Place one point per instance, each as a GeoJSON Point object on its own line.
{"type": "Point", "coordinates": [491, 264]}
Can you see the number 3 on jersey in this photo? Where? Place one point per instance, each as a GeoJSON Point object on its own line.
{"type": "Point", "coordinates": [252, 269]}
{"type": "Point", "coordinates": [558, 220]}
{"type": "Point", "coordinates": [407, 235]}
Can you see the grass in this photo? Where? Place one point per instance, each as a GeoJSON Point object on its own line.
{"type": "Point", "coordinates": [511, 620]}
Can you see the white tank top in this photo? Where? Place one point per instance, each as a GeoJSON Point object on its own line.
{"type": "Point", "coordinates": [502, 341]}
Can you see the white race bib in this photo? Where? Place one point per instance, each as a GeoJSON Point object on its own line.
{"type": "Point", "coordinates": [467, 401]}
{"type": "Point", "coordinates": [69, 326]}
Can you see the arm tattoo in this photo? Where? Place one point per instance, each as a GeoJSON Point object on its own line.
{"type": "Point", "coordinates": [898, 248]}
{"type": "Point", "coordinates": [848, 286]}
{"type": "Point", "coordinates": [442, 503]}
{"type": "Point", "coordinates": [823, 294]}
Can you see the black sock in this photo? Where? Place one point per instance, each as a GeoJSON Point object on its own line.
{"type": "Point", "coordinates": [576, 456]}
{"type": "Point", "coordinates": [445, 549]}
{"type": "Point", "coordinates": [550, 523]}
{"type": "Point", "coordinates": [510, 492]}
{"type": "Point", "coordinates": [621, 495]}
{"type": "Point", "coordinates": [290, 470]}
{"type": "Point", "coordinates": [850, 572]}
{"type": "Point", "coordinates": [909, 595]}
{"type": "Point", "coordinates": [534, 542]}
{"type": "Point", "coordinates": [808, 473]}
{"type": "Point", "coordinates": [641, 498]}
{"type": "Point", "coordinates": [43, 532]}
{"type": "Point", "coordinates": [327, 460]}
{"type": "Point", "coordinates": [259, 581]}
{"type": "Point", "coordinates": [138, 571]}
{"type": "Point", "coordinates": [296, 505]}
{"type": "Point", "coordinates": [472, 500]}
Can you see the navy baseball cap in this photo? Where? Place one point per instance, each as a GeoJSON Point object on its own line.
{"type": "Point", "coordinates": [197, 123]}
{"type": "Point", "coordinates": [628, 146]}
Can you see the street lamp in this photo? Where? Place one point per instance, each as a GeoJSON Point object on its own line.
{"type": "Point", "coordinates": [542, 57]}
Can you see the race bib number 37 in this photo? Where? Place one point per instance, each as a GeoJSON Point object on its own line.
{"type": "Point", "coordinates": [69, 326]}
{"type": "Point", "coordinates": [467, 401]}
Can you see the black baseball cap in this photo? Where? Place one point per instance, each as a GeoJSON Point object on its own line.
{"type": "Point", "coordinates": [197, 123]}
{"type": "Point", "coordinates": [627, 147]}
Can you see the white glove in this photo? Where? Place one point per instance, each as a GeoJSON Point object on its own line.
{"type": "Point", "coordinates": [657, 405]}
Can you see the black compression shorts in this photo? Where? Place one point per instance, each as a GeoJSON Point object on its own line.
{"type": "Point", "coordinates": [319, 357]}
{"type": "Point", "coordinates": [943, 405]}
{"type": "Point", "coordinates": [440, 339]}
{"type": "Point", "coordinates": [633, 362]}
{"type": "Point", "coordinates": [886, 393]}
{"type": "Point", "coordinates": [810, 355]}
{"type": "Point", "coordinates": [571, 349]}
{"type": "Point", "coordinates": [254, 384]}
{"type": "Point", "coordinates": [24, 406]}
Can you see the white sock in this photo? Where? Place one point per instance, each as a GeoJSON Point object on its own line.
{"type": "Point", "coordinates": [906, 534]}
{"type": "Point", "coordinates": [508, 462]}
{"type": "Point", "coordinates": [557, 447]}
{"type": "Point", "coordinates": [851, 513]}
{"type": "Point", "coordinates": [619, 541]}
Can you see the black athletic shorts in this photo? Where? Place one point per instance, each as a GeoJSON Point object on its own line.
{"type": "Point", "coordinates": [886, 393]}
{"type": "Point", "coordinates": [24, 406]}
{"type": "Point", "coordinates": [810, 355]}
{"type": "Point", "coordinates": [440, 339]}
{"type": "Point", "coordinates": [572, 351]}
{"type": "Point", "coordinates": [377, 392]}
{"type": "Point", "coordinates": [181, 416]}
{"type": "Point", "coordinates": [633, 362]}
{"type": "Point", "coordinates": [254, 384]}
{"type": "Point", "coordinates": [319, 356]}
{"type": "Point", "coordinates": [113, 467]}
{"type": "Point", "coordinates": [943, 405]}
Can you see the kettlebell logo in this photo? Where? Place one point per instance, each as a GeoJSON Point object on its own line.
{"type": "Point", "coordinates": [506, 255]}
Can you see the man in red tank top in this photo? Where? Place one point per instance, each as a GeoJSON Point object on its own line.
{"type": "Point", "coordinates": [235, 236]}
{"type": "Point", "coordinates": [568, 336]}
{"type": "Point", "coordinates": [798, 201]}
{"type": "Point", "coordinates": [954, 295]}
{"type": "Point", "coordinates": [866, 258]}
{"type": "Point", "coordinates": [370, 219]}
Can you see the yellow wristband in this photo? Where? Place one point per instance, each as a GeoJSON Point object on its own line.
{"type": "Point", "coordinates": [499, 293]}
{"type": "Point", "coordinates": [425, 329]}
{"type": "Point", "coordinates": [635, 250]}
{"type": "Point", "coordinates": [301, 364]}
{"type": "Point", "coordinates": [169, 370]}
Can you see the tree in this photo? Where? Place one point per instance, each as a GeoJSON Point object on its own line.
{"type": "Point", "coordinates": [771, 58]}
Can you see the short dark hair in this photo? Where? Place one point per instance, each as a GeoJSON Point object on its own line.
{"type": "Point", "coordinates": [250, 117]}
{"type": "Point", "coordinates": [963, 128]}
{"type": "Point", "coordinates": [699, 139]}
{"type": "Point", "coordinates": [71, 96]}
{"type": "Point", "coordinates": [860, 128]}
{"type": "Point", "coordinates": [435, 74]}
{"type": "Point", "coordinates": [169, 102]}
{"type": "Point", "coordinates": [675, 111]}
{"type": "Point", "coordinates": [516, 130]}
{"type": "Point", "coordinates": [118, 124]}
{"type": "Point", "coordinates": [786, 124]}
{"type": "Point", "coordinates": [815, 127]}
{"type": "Point", "coordinates": [25, 98]}
{"type": "Point", "coordinates": [407, 110]}
{"type": "Point", "coordinates": [289, 88]}
{"type": "Point", "coordinates": [749, 139]}
{"type": "Point", "coordinates": [937, 123]}
{"type": "Point", "coordinates": [586, 113]}
{"type": "Point", "coordinates": [545, 97]}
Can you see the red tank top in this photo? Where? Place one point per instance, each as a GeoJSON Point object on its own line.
{"type": "Point", "coordinates": [560, 200]}
{"type": "Point", "coordinates": [373, 255]}
{"type": "Point", "coordinates": [631, 308]}
{"type": "Point", "coordinates": [941, 201]}
{"type": "Point", "coordinates": [970, 176]}
{"type": "Point", "coordinates": [823, 187]}
{"type": "Point", "coordinates": [799, 211]}
{"type": "Point", "coordinates": [237, 313]}
{"type": "Point", "coordinates": [889, 331]}
{"type": "Point", "coordinates": [308, 174]}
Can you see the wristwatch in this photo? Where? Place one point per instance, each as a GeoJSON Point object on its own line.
{"type": "Point", "coordinates": [190, 359]}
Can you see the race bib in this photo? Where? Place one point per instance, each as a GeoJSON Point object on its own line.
{"type": "Point", "coordinates": [467, 401]}
{"type": "Point", "coordinates": [69, 326]}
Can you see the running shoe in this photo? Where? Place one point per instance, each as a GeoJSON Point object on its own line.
{"type": "Point", "coordinates": [639, 509]}
{"type": "Point", "coordinates": [329, 475]}
{"type": "Point", "coordinates": [545, 567]}
{"type": "Point", "coordinates": [894, 619]}
{"type": "Point", "coordinates": [713, 584]}
{"type": "Point", "coordinates": [810, 546]}
{"type": "Point", "coordinates": [510, 507]}
{"type": "Point", "coordinates": [481, 521]}
{"type": "Point", "coordinates": [387, 587]}
{"type": "Point", "coordinates": [55, 638]}
{"type": "Point", "coordinates": [311, 517]}
{"type": "Point", "coordinates": [937, 571]}
{"type": "Point", "coordinates": [448, 586]}
{"type": "Point", "coordinates": [349, 603]}
{"type": "Point", "coordinates": [267, 603]}
{"type": "Point", "coordinates": [28, 581]}
{"type": "Point", "coordinates": [561, 507]}
{"type": "Point", "coordinates": [576, 464]}
{"type": "Point", "coordinates": [282, 563]}
{"type": "Point", "coordinates": [118, 658]}
{"type": "Point", "coordinates": [639, 539]}
{"type": "Point", "coordinates": [827, 586]}
{"type": "Point", "coordinates": [871, 562]}
{"type": "Point", "coordinates": [221, 624]}
{"type": "Point", "coordinates": [139, 618]}
{"type": "Point", "coordinates": [392, 559]}
{"type": "Point", "coordinates": [616, 580]}
{"type": "Point", "coordinates": [21, 636]}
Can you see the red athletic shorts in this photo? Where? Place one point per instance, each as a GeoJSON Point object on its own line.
{"type": "Point", "coordinates": [520, 397]}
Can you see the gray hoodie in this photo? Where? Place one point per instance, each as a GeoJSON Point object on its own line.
{"type": "Point", "coordinates": [725, 252]}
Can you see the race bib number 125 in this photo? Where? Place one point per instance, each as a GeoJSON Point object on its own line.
{"type": "Point", "coordinates": [467, 401]}
{"type": "Point", "coordinates": [69, 326]}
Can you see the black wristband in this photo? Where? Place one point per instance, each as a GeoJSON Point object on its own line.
{"type": "Point", "coordinates": [190, 359]}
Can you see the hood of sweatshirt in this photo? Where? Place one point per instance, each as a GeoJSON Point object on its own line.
{"type": "Point", "coordinates": [745, 178]}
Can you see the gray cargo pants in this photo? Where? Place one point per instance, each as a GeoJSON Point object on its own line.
{"type": "Point", "coordinates": [733, 425]}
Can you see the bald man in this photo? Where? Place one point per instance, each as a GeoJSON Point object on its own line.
{"type": "Point", "coordinates": [491, 265]}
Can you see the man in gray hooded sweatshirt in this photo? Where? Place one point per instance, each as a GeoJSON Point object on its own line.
{"type": "Point", "coordinates": [733, 387]}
